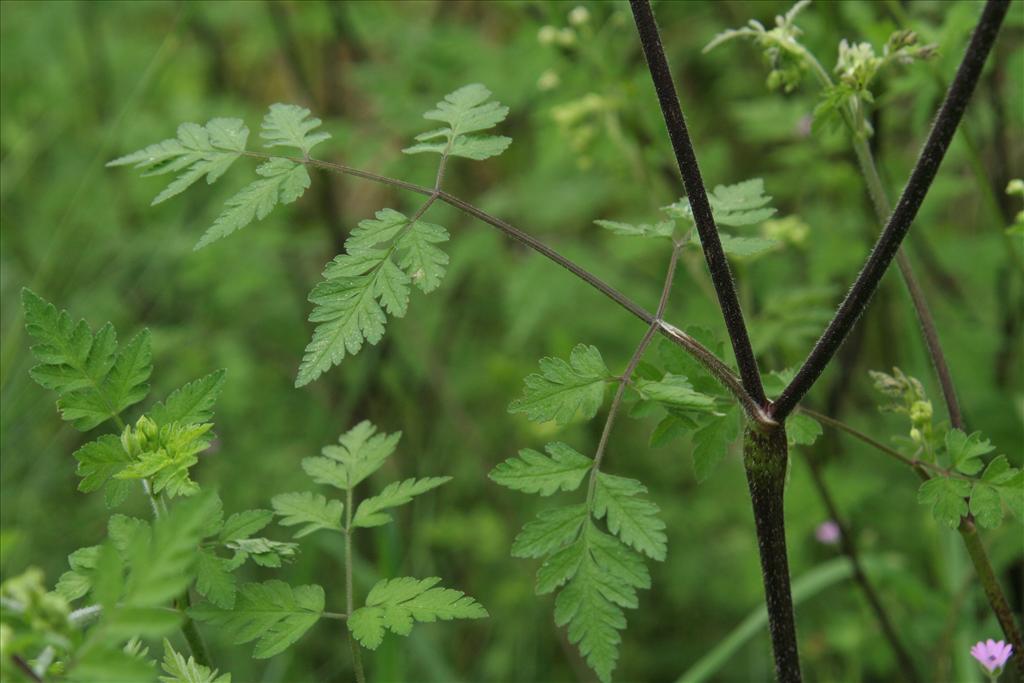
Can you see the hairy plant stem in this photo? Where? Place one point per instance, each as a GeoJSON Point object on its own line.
{"type": "Point", "coordinates": [627, 374]}
{"type": "Point", "coordinates": [849, 547]}
{"type": "Point", "coordinates": [765, 455]}
{"type": "Point", "coordinates": [709, 361]}
{"type": "Point", "coordinates": [686, 159]}
{"type": "Point", "coordinates": [357, 660]}
{"type": "Point", "coordinates": [929, 159]}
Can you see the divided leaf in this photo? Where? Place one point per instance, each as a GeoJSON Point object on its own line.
{"type": "Point", "coordinates": [945, 496]}
{"type": "Point", "coordinates": [181, 670]}
{"type": "Point", "coordinates": [311, 509]}
{"type": "Point", "coordinates": [289, 125]}
{"type": "Point", "coordinates": [533, 472]}
{"type": "Point", "coordinates": [370, 511]}
{"type": "Point", "coordinates": [197, 151]}
{"type": "Point", "coordinates": [965, 451]}
{"type": "Point", "coordinates": [360, 452]}
{"type": "Point", "coordinates": [394, 604]}
{"type": "Point", "coordinates": [711, 442]}
{"type": "Point", "coordinates": [563, 388]}
{"type": "Point", "coordinates": [272, 613]}
{"type": "Point", "coordinates": [93, 379]}
{"type": "Point", "coordinates": [192, 403]}
{"type": "Point", "coordinates": [632, 517]}
{"type": "Point", "coordinates": [465, 111]}
{"type": "Point", "coordinates": [368, 282]}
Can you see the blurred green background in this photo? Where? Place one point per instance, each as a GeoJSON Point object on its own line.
{"type": "Point", "coordinates": [85, 82]}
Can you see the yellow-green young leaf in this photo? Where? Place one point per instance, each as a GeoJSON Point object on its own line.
{"type": "Point", "coordinates": [192, 403]}
{"type": "Point", "coordinates": [359, 453]}
{"type": "Point", "coordinates": [631, 516]}
{"type": "Point", "coordinates": [965, 451]}
{"type": "Point", "coordinates": [94, 381]}
{"type": "Point", "coordinates": [311, 509]}
{"type": "Point", "coordinates": [394, 604]}
{"type": "Point", "coordinates": [711, 442]}
{"type": "Point", "coordinates": [550, 531]}
{"type": "Point", "coordinates": [272, 613]}
{"type": "Point", "coordinates": [945, 496]}
{"type": "Point", "coordinates": [282, 182]}
{"type": "Point", "coordinates": [361, 287]}
{"type": "Point", "coordinates": [197, 151]}
{"type": "Point", "coordinates": [370, 511]}
{"type": "Point", "coordinates": [465, 111]}
{"type": "Point", "coordinates": [289, 125]}
{"type": "Point", "coordinates": [99, 461]}
{"type": "Point", "coordinates": [533, 472]}
{"type": "Point", "coordinates": [181, 670]}
{"type": "Point", "coordinates": [164, 455]}
{"type": "Point", "coordinates": [562, 389]}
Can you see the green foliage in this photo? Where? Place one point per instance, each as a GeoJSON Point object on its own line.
{"type": "Point", "coordinates": [291, 126]}
{"type": "Point", "coordinates": [272, 613]}
{"type": "Point", "coordinates": [192, 403]}
{"type": "Point", "coordinates": [197, 151]}
{"type": "Point", "coordinates": [164, 455]}
{"type": "Point", "coordinates": [631, 517]}
{"type": "Point", "coordinates": [562, 389]}
{"type": "Point", "coordinates": [360, 452]}
{"type": "Point", "coordinates": [712, 441]}
{"type": "Point", "coordinates": [181, 670]}
{"type": "Point", "coordinates": [394, 604]}
{"type": "Point", "coordinates": [533, 472]}
{"type": "Point", "coordinates": [371, 513]}
{"type": "Point", "coordinates": [370, 281]}
{"type": "Point", "coordinates": [313, 510]}
{"type": "Point", "coordinates": [465, 111]}
{"type": "Point", "coordinates": [95, 381]}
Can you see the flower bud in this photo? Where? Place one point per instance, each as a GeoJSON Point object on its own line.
{"type": "Point", "coordinates": [547, 35]}
{"type": "Point", "coordinates": [567, 37]}
{"type": "Point", "coordinates": [548, 80]}
{"type": "Point", "coordinates": [921, 412]}
{"type": "Point", "coordinates": [579, 15]}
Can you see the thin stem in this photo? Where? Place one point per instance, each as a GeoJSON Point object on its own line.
{"type": "Point", "coordinates": [191, 632]}
{"type": "Point", "coordinates": [357, 660]}
{"type": "Point", "coordinates": [925, 169]}
{"type": "Point", "coordinates": [849, 547]}
{"type": "Point", "coordinates": [634, 360]}
{"type": "Point", "coordinates": [686, 159]}
{"type": "Point", "coordinates": [712, 363]}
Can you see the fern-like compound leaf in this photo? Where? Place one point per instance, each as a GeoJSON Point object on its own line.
{"type": "Point", "coordinates": [281, 181]}
{"type": "Point", "coordinates": [273, 614]}
{"type": "Point", "coordinates": [562, 389]}
{"type": "Point", "coordinates": [395, 604]}
{"type": "Point", "coordinates": [631, 516]}
{"type": "Point", "coordinates": [192, 403]}
{"type": "Point", "coordinates": [94, 380]}
{"type": "Point", "coordinates": [359, 453]}
{"type": "Point", "coordinates": [371, 511]}
{"type": "Point", "coordinates": [361, 287]}
{"type": "Point", "coordinates": [181, 670]}
{"type": "Point", "coordinates": [197, 151]}
{"type": "Point", "coordinates": [533, 472]}
{"type": "Point", "coordinates": [550, 531]}
{"type": "Point", "coordinates": [466, 111]}
{"type": "Point", "coordinates": [311, 509]}
{"type": "Point", "coordinates": [291, 126]}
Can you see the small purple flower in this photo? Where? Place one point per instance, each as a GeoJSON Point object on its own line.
{"type": "Point", "coordinates": [828, 533]}
{"type": "Point", "coordinates": [992, 654]}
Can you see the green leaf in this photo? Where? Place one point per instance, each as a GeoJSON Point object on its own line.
{"type": "Point", "coordinates": [1008, 482]}
{"type": "Point", "coordinates": [93, 380]}
{"type": "Point", "coordinates": [99, 461]}
{"type": "Point", "coordinates": [561, 566]}
{"type": "Point", "coordinates": [166, 460]}
{"type": "Point", "coordinates": [289, 125]}
{"type": "Point", "coordinates": [733, 205]}
{"type": "Point", "coordinates": [192, 403]}
{"type": "Point", "coordinates": [394, 604]}
{"type": "Point", "coordinates": [282, 182]}
{"type": "Point", "coordinates": [662, 229]}
{"type": "Point", "coordinates": [986, 506]}
{"type": "Point", "coordinates": [370, 511]}
{"type": "Point", "coordinates": [263, 551]}
{"type": "Point", "coordinates": [550, 531]}
{"type": "Point", "coordinates": [965, 451]}
{"type": "Point", "coordinates": [563, 388]}
{"type": "Point", "coordinates": [181, 670]}
{"type": "Point", "coordinates": [214, 579]}
{"type": "Point", "coordinates": [465, 111]}
{"type": "Point", "coordinates": [675, 394]}
{"type": "Point", "coordinates": [77, 582]}
{"type": "Point", "coordinates": [945, 496]}
{"type": "Point", "coordinates": [533, 472]}
{"type": "Point", "coordinates": [631, 517]}
{"type": "Point", "coordinates": [802, 429]}
{"type": "Point", "coordinates": [360, 452]}
{"type": "Point", "coordinates": [311, 509]}
{"type": "Point", "coordinates": [272, 613]}
{"type": "Point", "coordinates": [746, 247]}
{"type": "Point", "coordinates": [711, 442]}
{"type": "Point", "coordinates": [368, 282]}
{"type": "Point", "coordinates": [244, 524]}
{"type": "Point", "coordinates": [197, 151]}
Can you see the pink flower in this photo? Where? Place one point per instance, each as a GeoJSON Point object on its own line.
{"type": "Point", "coordinates": [828, 533]}
{"type": "Point", "coordinates": [992, 654]}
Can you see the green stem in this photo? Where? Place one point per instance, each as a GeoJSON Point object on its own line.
{"type": "Point", "coordinates": [191, 633]}
{"type": "Point", "coordinates": [357, 660]}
